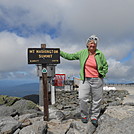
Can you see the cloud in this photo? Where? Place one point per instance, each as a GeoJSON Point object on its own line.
{"type": "Point", "coordinates": [103, 17]}
{"type": "Point", "coordinates": [13, 57]}
{"type": "Point", "coordinates": [13, 52]}
{"type": "Point", "coordinates": [116, 68]}
{"type": "Point", "coordinates": [119, 72]}
{"type": "Point", "coordinates": [117, 50]}
{"type": "Point", "coordinates": [32, 15]}
{"type": "Point", "coordinates": [66, 25]}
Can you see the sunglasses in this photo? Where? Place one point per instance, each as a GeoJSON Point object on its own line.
{"type": "Point", "coordinates": [91, 38]}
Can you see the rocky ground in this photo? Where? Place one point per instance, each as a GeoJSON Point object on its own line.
{"type": "Point", "coordinates": [21, 116]}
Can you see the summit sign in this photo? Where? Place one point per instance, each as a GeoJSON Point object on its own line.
{"type": "Point", "coordinates": [43, 55]}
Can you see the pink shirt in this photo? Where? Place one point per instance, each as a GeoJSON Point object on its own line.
{"type": "Point", "coordinates": [91, 67]}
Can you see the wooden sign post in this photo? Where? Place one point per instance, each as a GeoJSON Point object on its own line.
{"type": "Point", "coordinates": [44, 56]}
{"type": "Point", "coordinates": [45, 92]}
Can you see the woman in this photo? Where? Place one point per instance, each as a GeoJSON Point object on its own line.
{"type": "Point", "coordinates": [93, 69]}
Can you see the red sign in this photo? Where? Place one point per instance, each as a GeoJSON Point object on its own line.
{"type": "Point", "coordinates": [59, 79]}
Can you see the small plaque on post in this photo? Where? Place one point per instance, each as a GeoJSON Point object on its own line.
{"type": "Point", "coordinates": [44, 70]}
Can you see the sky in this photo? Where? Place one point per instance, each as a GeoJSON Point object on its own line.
{"type": "Point", "coordinates": [66, 24]}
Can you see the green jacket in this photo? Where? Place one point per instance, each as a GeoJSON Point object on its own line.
{"type": "Point", "coordinates": [82, 56]}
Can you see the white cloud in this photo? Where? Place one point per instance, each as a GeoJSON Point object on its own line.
{"type": "Point", "coordinates": [74, 21]}
{"type": "Point", "coordinates": [117, 50]}
{"type": "Point", "coordinates": [13, 57]}
{"type": "Point", "coordinates": [117, 70]}
{"type": "Point", "coordinates": [32, 13]}
{"type": "Point", "coordinates": [13, 52]}
{"type": "Point", "coordinates": [102, 17]}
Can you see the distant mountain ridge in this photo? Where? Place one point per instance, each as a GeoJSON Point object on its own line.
{"type": "Point", "coordinates": [20, 90]}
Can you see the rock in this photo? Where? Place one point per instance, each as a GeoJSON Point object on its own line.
{"type": "Point", "coordinates": [125, 126]}
{"type": "Point", "coordinates": [32, 120]}
{"type": "Point", "coordinates": [117, 120]}
{"type": "Point", "coordinates": [120, 112]}
{"type": "Point", "coordinates": [60, 115]}
{"type": "Point", "coordinates": [68, 100]}
{"type": "Point", "coordinates": [56, 127]}
{"type": "Point", "coordinates": [24, 117]}
{"type": "Point", "coordinates": [7, 111]}
{"type": "Point", "coordinates": [2, 99]}
{"type": "Point", "coordinates": [90, 128]}
{"type": "Point", "coordinates": [64, 116]}
{"type": "Point", "coordinates": [18, 108]}
{"type": "Point", "coordinates": [17, 131]}
{"type": "Point", "coordinates": [39, 127]}
{"type": "Point", "coordinates": [8, 125]}
{"type": "Point", "coordinates": [71, 131]}
{"type": "Point", "coordinates": [28, 119]}
{"type": "Point", "coordinates": [115, 103]}
{"type": "Point", "coordinates": [30, 111]}
{"type": "Point", "coordinates": [78, 127]}
{"type": "Point", "coordinates": [106, 125]}
{"type": "Point", "coordinates": [129, 100]}
{"type": "Point", "coordinates": [26, 123]}
{"type": "Point", "coordinates": [110, 125]}
{"type": "Point", "coordinates": [8, 100]}
{"type": "Point", "coordinates": [22, 106]}
{"type": "Point", "coordinates": [129, 103]}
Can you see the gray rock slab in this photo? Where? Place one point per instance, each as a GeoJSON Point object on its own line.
{"type": "Point", "coordinates": [106, 125]}
{"type": "Point", "coordinates": [110, 125]}
{"type": "Point", "coordinates": [39, 127]}
{"type": "Point", "coordinates": [7, 111]}
{"type": "Point", "coordinates": [129, 99]}
{"type": "Point", "coordinates": [78, 127]}
{"type": "Point", "coordinates": [8, 125]}
{"type": "Point", "coordinates": [120, 112]}
{"type": "Point", "coordinates": [27, 116]}
{"type": "Point", "coordinates": [17, 131]}
{"type": "Point", "coordinates": [70, 126]}
{"type": "Point", "coordinates": [125, 126]}
{"type": "Point", "coordinates": [58, 127]}
{"type": "Point", "coordinates": [24, 106]}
